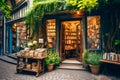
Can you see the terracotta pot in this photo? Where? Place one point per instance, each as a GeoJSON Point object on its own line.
{"type": "Point", "coordinates": [50, 67]}
{"type": "Point", "coordinates": [94, 69]}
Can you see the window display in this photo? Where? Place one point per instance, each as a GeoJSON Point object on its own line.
{"type": "Point", "coordinates": [51, 33]}
{"type": "Point", "coordinates": [19, 36]}
{"type": "Point", "coordinates": [93, 32]}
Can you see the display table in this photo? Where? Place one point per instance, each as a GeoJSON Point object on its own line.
{"type": "Point", "coordinates": [110, 62]}
{"type": "Point", "coordinates": [107, 64]}
{"type": "Point", "coordinates": [30, 64]}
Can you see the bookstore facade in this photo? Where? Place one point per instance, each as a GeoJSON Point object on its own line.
{"type": "Point", "coordinates": [17, 28]}
{"type": "Point", "coordinates": [72, 33]}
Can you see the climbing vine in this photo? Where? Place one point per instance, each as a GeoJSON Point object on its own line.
{"type": "Point", "coordinates": [34, 16]}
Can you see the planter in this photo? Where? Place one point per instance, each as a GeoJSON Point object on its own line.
{"type": "Point", "coordinates": [94, 69]}
{"type": "Point", "coordinates": [50, 67]}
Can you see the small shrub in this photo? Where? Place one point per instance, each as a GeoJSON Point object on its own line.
{"type": "Point", "coordinates": [94, 58]}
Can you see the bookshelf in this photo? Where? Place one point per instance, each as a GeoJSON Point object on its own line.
{"type": "Point", "coordinates": [51, 32]}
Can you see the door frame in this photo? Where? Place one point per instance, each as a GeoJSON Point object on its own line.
{"type": "Point", "coordinates": [61, 31]}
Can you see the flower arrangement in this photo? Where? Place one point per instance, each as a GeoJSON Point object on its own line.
{"type": "Point", "coordinates": [32, 44]}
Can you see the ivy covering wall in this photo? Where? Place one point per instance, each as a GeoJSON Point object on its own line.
{"type": "Point", "coordinates": [35, 15]}
{"type": "Point", "coordinates": [41, 7]}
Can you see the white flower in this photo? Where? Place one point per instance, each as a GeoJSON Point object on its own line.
{"type": "Point", "coordinates": [30, 44]}
{"type": "Point", "coordinates": [34, 42]}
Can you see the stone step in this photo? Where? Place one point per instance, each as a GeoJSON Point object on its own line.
{"type": "Point", "coordinates": [68, 61]}
{"type": "Point", "coordinates": [8, 59]}
{"type": "Point", "coordinates": [13, 56]}
{"type": "Point", "coordinates": [71, 66]}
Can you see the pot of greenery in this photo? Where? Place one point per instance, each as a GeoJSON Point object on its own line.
{"type": "Point", "coordinates": [85, 57]}
{"type": "Point", "coordinates": [51, 60]}
{"type": "Point", "coordinates": [94, 62]}
{"type": "Point", "coordinates": [57, 61]}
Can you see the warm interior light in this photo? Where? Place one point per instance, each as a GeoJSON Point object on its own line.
{"type": "Point", "coordinates": [15, 25]}
{"type": "Point", "coordinates": [78, 12]}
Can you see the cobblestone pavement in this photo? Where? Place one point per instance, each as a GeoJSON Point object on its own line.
{"type": "Point", "coordinates": [8, 72]}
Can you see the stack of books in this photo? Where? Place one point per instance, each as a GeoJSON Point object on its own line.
{"type": "Point", "coordinates": [111, 56]}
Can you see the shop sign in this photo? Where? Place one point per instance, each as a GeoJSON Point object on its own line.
{"type": "Point", "coordinates": [41, 40]}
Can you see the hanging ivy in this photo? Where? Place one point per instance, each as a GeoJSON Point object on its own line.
{"type": "Point", "coordinates": [41, 7]}
{"type": "Point", "coordinates": [35, 15]}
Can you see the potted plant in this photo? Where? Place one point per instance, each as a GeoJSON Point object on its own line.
{"type": "Point", "coordinates": [57, 61]}
{"type": "Point", "coordinates": [94, 62]}
{"type": "Point", "coordinates": [85, 57]}
{"type": "Point", "coordinates": [51, 60]}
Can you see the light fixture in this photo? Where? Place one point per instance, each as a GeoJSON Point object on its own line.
{"type": "Point", "coordinates": [78, 12]}
{"type": "Point", "coordinates": [15, 25]}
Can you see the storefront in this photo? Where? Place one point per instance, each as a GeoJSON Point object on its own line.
{"type": "Point", "coordinates": [19, 36]}
{"type": "Point", "coordinates": [17, 28]}
{"type": "Point", "coordinates": [71, 34]}
{"type": "Point", "coordinates": [3, 35]}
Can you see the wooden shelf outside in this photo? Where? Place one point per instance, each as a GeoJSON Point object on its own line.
{"type": "Point", "coordinates": [38, 69]}
{"type": "Point", "coordinates": [110, 62]}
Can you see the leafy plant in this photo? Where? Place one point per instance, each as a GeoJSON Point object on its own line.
{"type": "Point", "coordinates": [94, 58]}
{"type": "Point", "coordinates": [84, 4]}
{"type": "Point", "coordinates": [85, 55]}
{"type": "Point", "coordinates": [52, 59]}
{"type": "Point", "coordinates": [35, 15]}
{"type": "Point", "coordinates": [117, 42]}
{"type": "Point", "coordinates": [41, 7]}
{"type": "Point", "coordinates": [5, 8]}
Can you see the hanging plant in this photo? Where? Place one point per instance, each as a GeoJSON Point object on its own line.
{"type": "Point", "coordinates": [35, 15]}
{"type": "Point", "coordinates": [41, 7]}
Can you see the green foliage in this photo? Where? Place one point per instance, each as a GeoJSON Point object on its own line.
{"type": "Point", "coordinates": [85, 55]}
{"type": "Point", "coordinates": [41, 7]}
{"type": "Point", "coordinates": [35, 15]}
{"type": "Point", "coordinates": [5, 8]}
{"type": "Point", "coordinates": [84, 4]}
{"type": "Point", "coordinates": [117, 42]}
{"type": "Point", "coordinates": [94, 58]}
{"type": "Point", "coordinates": [52, 59]}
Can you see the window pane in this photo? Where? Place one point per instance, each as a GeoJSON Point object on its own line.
{"type": "Point", "coordinates": [51, 33]}
{"type": "Point", "coordinates": [93, 32]}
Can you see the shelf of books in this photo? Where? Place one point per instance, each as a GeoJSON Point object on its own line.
{"type": "Point", "coordinates": [51, 32]}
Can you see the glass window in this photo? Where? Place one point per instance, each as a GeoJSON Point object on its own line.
{"type": "Point", "coordinates": [51, 33]}
{"type": "Point", "coordinates": [93, 32]}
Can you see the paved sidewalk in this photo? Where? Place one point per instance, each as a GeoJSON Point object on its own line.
{"type": "Point", "coordinates": [8, 59]}
{"type": "Point", "coordinates": [8, 72]}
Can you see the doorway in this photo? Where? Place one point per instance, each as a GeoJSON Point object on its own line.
{"type": "Point", "coordinates": [71, 40]}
